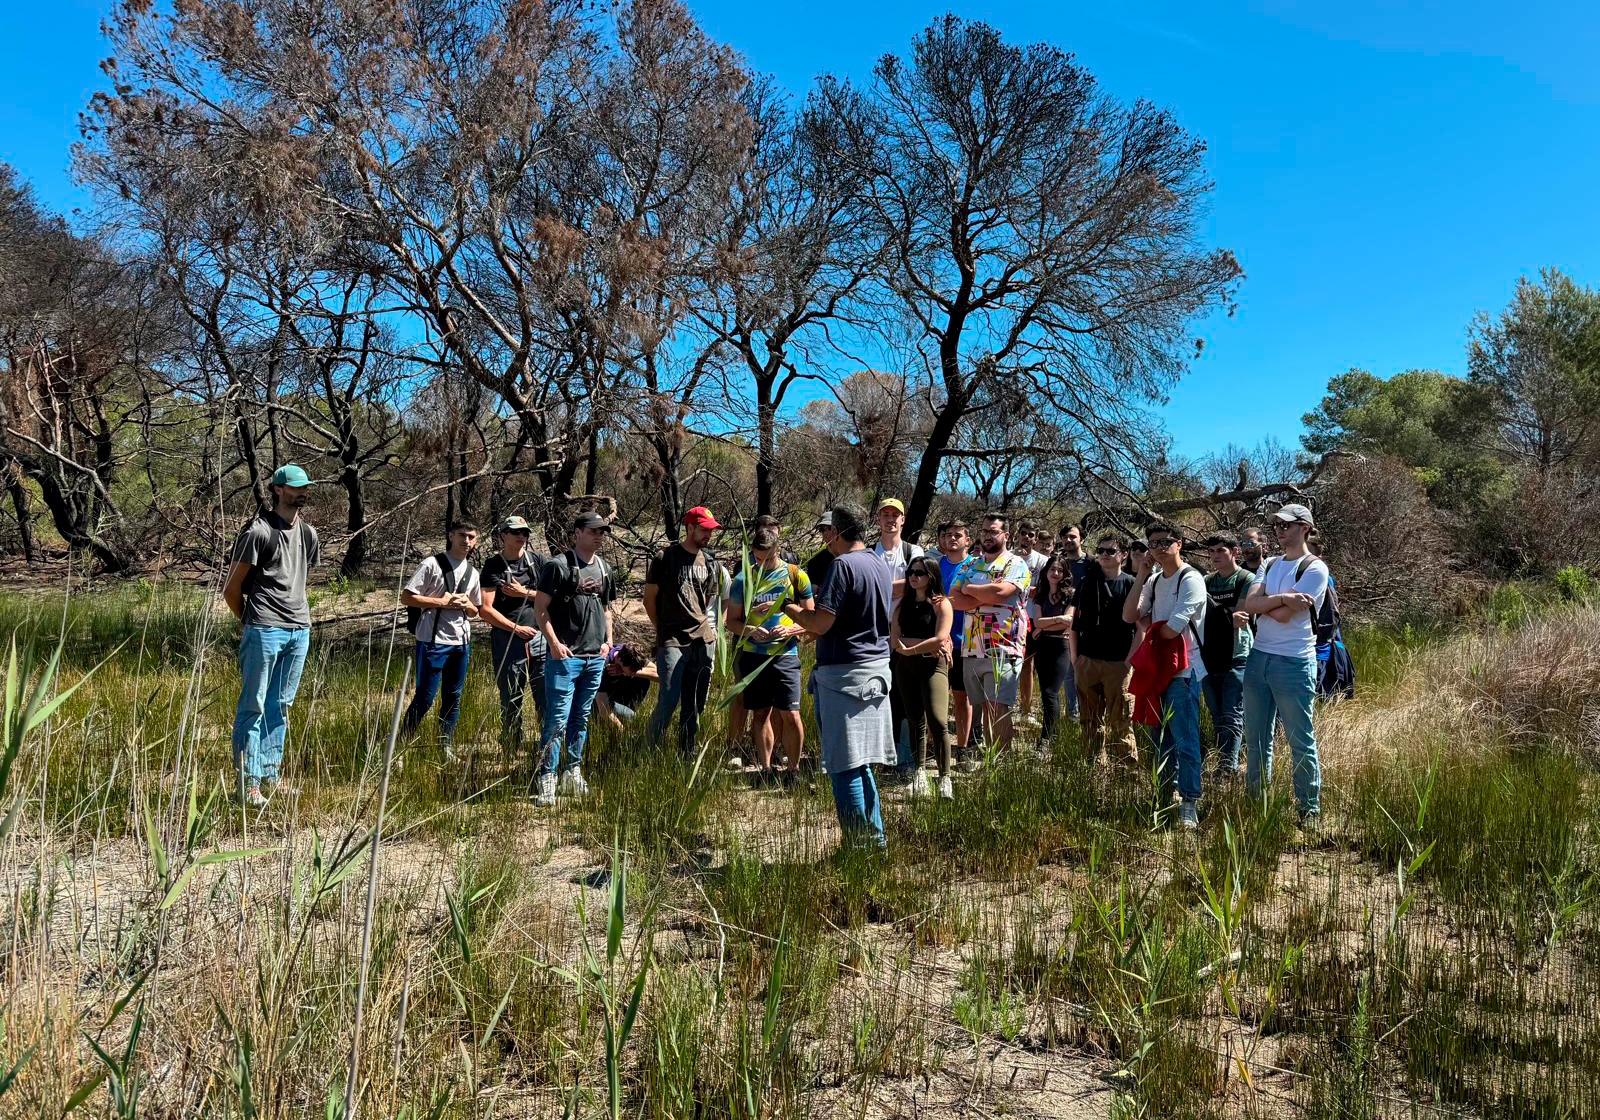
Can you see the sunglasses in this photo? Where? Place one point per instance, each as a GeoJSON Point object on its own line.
{"type": "Point", "coordinates": [1107, 551]}
{"type": "Point", "coordinates": [922, 572]}
{"type": "Point", "coordinates": [516, 532]}
{"type": "Point", "coordinates": [1163, 542]}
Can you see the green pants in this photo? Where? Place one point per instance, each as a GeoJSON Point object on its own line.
{"type": "Point", "coordinates": [922, 685]}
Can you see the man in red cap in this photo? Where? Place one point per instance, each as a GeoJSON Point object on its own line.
{"type": "Point", "coordinates": [681, 590]}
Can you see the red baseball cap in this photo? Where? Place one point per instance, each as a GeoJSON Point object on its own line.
{"type": "Point", "coordinates": [700, 516]}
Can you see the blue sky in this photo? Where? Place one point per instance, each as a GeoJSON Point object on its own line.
{"type": "Point", "coordinates": [1382, 170]}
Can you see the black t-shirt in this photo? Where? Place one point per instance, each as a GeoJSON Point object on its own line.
{"type": "Point", "coordinates": [579, 594]}
{"type": "Point", "coordinates": [1097, 616]}
{"type": "Point", "coordinates": [523, 570]}
{"type": "Point", "coordinates": [623, 689]}
{"type": "Point", "coordinates": [817, 568]}
{"type": "Point", "coordinates": [856, 592]}
{"type": "Point", "coordinates": [1050, 642]}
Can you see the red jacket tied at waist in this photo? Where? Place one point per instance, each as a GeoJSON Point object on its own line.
{"type": "Point", "coordinates": [1157, 660]}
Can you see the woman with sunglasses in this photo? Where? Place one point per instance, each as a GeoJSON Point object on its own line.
{"type": "Point", "coordinates": [919, 633]}
{"type": "Point", "coordinates": [1050, 609]}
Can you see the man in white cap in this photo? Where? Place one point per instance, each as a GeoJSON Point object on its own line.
{"type": "Point", "coordinates": [266, 590]}
{"type": "Point", "coordinates": [896, 553]}
{"type": "Point", "coordinates": [510, 580]}
{"type": "Point", "coordinates": [1280, 677]}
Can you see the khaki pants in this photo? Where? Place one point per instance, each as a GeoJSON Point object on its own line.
{"type": "Point", "coordinates": [1105, 707]}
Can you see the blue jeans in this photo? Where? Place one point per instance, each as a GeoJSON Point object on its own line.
{"type": "Point", "coordinates": [516, 674]}
{"type": "Point", "coordinates": [270, 661]}
{"type": "Point", "coordinates": [438, 665]}
{"type": "Point", "coordinates": [1277, 686]}
{"type": "Point", "coordinates": [1179, 746]}
{"type": "Point", "coordinates": [1225, 699]}
{"type": "Point", "coordinates": [855, 797]}
{"type": "Point", "coordinates": [569, 687]}
{"type": "Point", "coordinates": [685, 682]}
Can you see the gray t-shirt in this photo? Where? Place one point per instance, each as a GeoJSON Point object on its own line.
{"type": "Point", "coordinates": [279, 554]}
{"type": "Point", "coordinates": [445, 627]}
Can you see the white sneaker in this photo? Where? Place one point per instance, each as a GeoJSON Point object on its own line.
{"type": "Point", "coordinates": [450, 756]}
{"type": "Point", "coordinates": [547, 791]}
{"type": "Point", "coordinates": [1188, 816]}
{"type": "Point", "coordinates": [918, 785]}
{"type": "Point", "coordinates": [572, 783]}
{"type": "Point", "coordinates": [254, 799]}
{"type": "Point", "coordinates": [946, 790]}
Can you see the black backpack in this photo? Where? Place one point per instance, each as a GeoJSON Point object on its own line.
{"type": "Point", "coordinates": [414, 614]}
{"type": "Point", "coordinates": [1337, 675]}
{"type": "Point", "coordinates": [1216, 651]}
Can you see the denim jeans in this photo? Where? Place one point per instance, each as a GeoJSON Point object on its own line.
{"type": "Point", "coordinates": [1225, 700]}
{"type": "Point", "coordinates": [1276, 687]}
{"type": "Point", "coordinates": [516, 674]}
{"type": "Point", "coordinates": [569, 687]}
{"type": "Point", "coordinates": [1179, 746]}
{"type": "Point", "coordinates": [855, 798]}
{"type": "Point", "coordinates": [438, 666]}
{"type": "Point", "coordinates": [685, 682]}
{"type": "Point", "coordinates": [1058, 687]}
{"type": "Point", "coordinates": [270, 661]}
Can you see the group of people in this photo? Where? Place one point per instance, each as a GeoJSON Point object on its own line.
{"type": "Point", "coordinates": [915, 652]}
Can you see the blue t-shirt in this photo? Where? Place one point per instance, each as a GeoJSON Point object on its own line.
{"type": "Point", "coordinates": [772, 593]}
{"type": "Point", "coordinates": [856, 593]}
{"type": "Point", "coordinates": [947, 573]}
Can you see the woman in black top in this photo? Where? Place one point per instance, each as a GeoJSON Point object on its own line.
{"type": "Point", "coordinates": [919, 633]}
{"type": "Point", "coordinates": [1051, 613]}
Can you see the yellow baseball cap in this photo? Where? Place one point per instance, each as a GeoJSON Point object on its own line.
{"type": "Point", "coordinates": [891, 503]}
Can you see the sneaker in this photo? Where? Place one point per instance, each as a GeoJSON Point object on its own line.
{"type": "Point", "coordinates": [970, 761]}
{"type": "Point", "coordinates": [572, 783]}
{"type": "Point", "coordinates": [253, 799]}
{"type": "Point", "coordinates": [283, 789]}
{"type": "Point", "coordinates": [1188, 816]}
{"type": "Point", "coordinates": [1311, 823]}
{"type": "Point", "coordinates": [450, 756]}
{"type": "Point", "coordinates": [918, 785]}
{"type": "Point", "coordinates": [546, 795]}
{"type": "Point", "coordinates": [946, 790]}
{"type": "Point", "coordinates": [735, 762]}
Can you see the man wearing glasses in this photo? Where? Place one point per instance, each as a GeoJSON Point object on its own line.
{"type": "Point", "coordinates": [1280, 677]}
{"type": "Point", "coordinates": [1102, 643]}
{"type": "Point", "coordinates": [573, 608]}
{"type": "Point", "coordinates": [1173, 604]}
{"type": "Point", "coordinates": [510, 579]}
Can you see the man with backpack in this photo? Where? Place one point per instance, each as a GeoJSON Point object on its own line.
{"type": "Point", "coordinates": [1226, 648]}
{"type": "Point", "coordinates": [1173, 606]}
{"type": "Point", "coordinates": [896, 553]}
{"type": "Point", "coordinates": [510, 580]}
{"type": "Point", "coordinates": [573, 607]}
{"type": "Point", "coordinates": [768, 652]}
{"type": "Point", "coordinates": [266, 591]}
{"type": "Point", "coordinates": [442, 598]}
{"type": "Point", "coordinates": [682, 591]}
{"type": "Point", "coordinates": [1280, 677]}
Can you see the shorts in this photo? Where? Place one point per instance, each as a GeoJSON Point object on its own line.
{"type": "Point", "coordinates": [776, 686]}
{"type": "Point", "coordinates": [993, 678]}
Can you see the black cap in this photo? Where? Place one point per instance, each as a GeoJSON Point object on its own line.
{"type": "Point", "coordinates": [589, 519]}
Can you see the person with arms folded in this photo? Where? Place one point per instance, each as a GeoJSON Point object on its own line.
{"type": "Point", "coordinates": [510, 579]}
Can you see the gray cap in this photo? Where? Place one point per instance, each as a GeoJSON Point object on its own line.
{"type": "Point", "coordinates": [590, 520]}
{"type": "Point", "coordinates": [1294, 511]}
{"type": "Point", "coordinates": [826, 520]}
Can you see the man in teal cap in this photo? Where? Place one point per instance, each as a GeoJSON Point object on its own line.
{"type": "Point", "coordinates": [266, 591]}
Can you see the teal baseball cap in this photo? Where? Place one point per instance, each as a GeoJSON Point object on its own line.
{"type": "Point", "coordinates": [291, 475]}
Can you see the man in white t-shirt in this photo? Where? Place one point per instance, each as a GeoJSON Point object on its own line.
{"type": "Point", "coordinates": [448, 604]}
{"type": "Point", "coordinates": [1174, 602]}
{"type": "Point", "coordinates": [891, 549]}
{"type": "Point", "coordinates": [1280, 678]}
{"type": "Point", "coordinates": [896, 553]}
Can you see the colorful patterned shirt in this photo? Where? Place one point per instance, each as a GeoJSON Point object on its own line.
{"type": "Point", "coordinates": [773, 591]}
{"type": "Point", "coordinates": [996, 628]}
